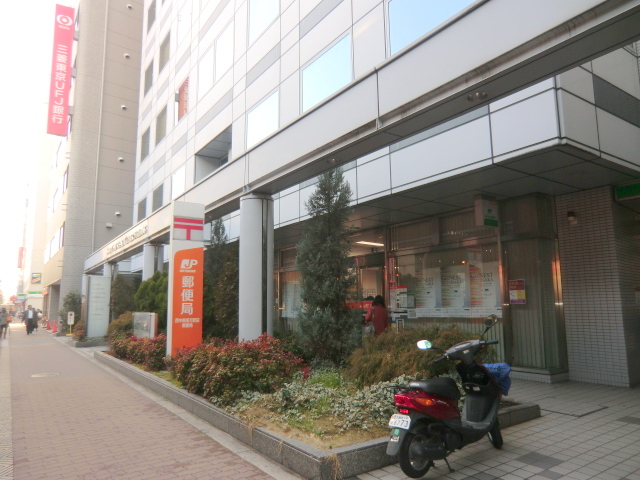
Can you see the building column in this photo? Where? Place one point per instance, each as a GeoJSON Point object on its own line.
{"type": "Point", "coordinates": [255, 293]}
{"type": "Point", "coordinates": [149, 252]}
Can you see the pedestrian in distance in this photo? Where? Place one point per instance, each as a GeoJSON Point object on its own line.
{"type": "Point", "coordinates": [4, 326]}
{"type": "Point", "coordinates": [30, 318]}
{"type": "Point", "coordinates": [378, 315]}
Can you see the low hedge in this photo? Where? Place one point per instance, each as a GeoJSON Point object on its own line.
{"type": "Point", "coordinates": [390, 355]}
{"type": "Point", "coordinates": [225, 370]}
{"type": "Point", "coordinates": [149, 352]}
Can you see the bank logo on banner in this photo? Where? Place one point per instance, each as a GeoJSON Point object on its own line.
{"type": "Point", "coordinates": [188, 229]}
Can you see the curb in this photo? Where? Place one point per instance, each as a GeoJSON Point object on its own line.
{"type": "Point", "coordinates": [307, 461]}
{"type": "Point", "coordinates": [90, 343]}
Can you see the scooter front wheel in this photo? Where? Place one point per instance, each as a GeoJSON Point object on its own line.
{"type": "Point", "coordinates": [412, 463]}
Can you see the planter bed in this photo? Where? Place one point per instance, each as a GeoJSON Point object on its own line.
{"type": "Point", "coordinates": [307, 461]}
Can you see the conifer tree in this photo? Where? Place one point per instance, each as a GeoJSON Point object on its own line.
{"type": "Point", "coordinates": [328, 329]}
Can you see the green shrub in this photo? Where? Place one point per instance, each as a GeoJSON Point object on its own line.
{"type": "Point", "coordinates": [153, 351]}
{"type": "Point", "coordinates": [259, 365]}
{"type": "Point", "coordinates": [121, 327]}
{"type": "Point", "coordinates": [120, 347]}
{"type": "Point", "coordinates": [392, 354]}
{"type": "Point", "coordinates": [223, 371]}
{"type": "Point", "coordinates": [152, 297]}
{"type": "Point", "coordinates": [79, 332]}
{"type": "Point", "coordinates": [149, 352]}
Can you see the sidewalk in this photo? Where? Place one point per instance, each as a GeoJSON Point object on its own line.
{"type": "Point", "coordinates": [74, 419]}
{"type": "Point", "coordinates": [586, 432]}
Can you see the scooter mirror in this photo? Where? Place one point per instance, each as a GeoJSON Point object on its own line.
{"type": "Point", "coordinates": [424, 345]}
{"type": "Point", "coordinates": [490, 320]}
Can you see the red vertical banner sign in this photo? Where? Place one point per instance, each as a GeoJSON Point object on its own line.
{"type": "Point", "coordinates": [183, 99]}
{"type": "Point", "coordinates": [186, 277]}
{"type": "Point", "coordinates": [61, 71]}
{"type": "Point", "coordinates": [187, 296]}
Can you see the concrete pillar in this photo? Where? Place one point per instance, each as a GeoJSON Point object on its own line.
{"type": "Point", "coordinates": [256, 297]}
{"type": "Point", "coordinates": [149, 253]}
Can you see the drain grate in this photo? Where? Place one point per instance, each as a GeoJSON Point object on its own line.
{"type": "Point", "coordinates": [39, 375]}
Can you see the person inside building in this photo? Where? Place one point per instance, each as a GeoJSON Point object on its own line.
{"type": "Point", "coordinates": [378, 315]}
{"type": "Point", "coordinates": [30, 318]}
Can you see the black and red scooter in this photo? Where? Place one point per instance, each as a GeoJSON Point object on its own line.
{"type": "Point", "coordinates": [429, 425]}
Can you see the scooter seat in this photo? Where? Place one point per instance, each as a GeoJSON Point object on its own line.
{"type": "Point", "coordinates": [445, 387]}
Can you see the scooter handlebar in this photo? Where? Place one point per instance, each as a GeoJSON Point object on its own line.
{"type": "Point", "coordinates": [492, 342]}
{"type": "Point", "coordinates": [439, 359]}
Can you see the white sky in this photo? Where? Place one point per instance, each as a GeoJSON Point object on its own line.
{"type": "Point", "coordinates": [27, 38]}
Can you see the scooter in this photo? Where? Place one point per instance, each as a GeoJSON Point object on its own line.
{"type": "Point", "coordinates": [429, 425]}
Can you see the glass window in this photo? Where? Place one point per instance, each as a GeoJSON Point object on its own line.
{"type": "Point", "coordinates": [142, 209]}
{"type": "Point", "coordinates": [145, 143]}
{"type": "Point", "coordinates": [161, 125]}
{"type": "Point", "coordinates": [261, 14]}
{"type": "Point", "coordinates": [224, 51]}
{"type": "Point", "coordinates": [184, 20]}
{"type": "Point", "coordinates": [410, 19]}
{"type": "Point", "coordinates": [205, 73]}
{"type": "Point", "coordinates": [158, 194]}
{"type": "Point", "coordinates": [327, 74]}
{"type": "Point", "coordinates": [181, 106]}
{"type": "Point", "coordinates": [263, 119]}
{"type": "Point", "coordinates": [148, 77]}
{"type": "Point", "coordinates": [151, 15]}
{"type": "Point", "coordinates": [178, 182]}
{"type": "Point", "coordinates": [164, 52]}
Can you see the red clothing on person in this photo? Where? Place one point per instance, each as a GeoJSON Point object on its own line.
{"type": "Point", "coordinates": [380, 319]}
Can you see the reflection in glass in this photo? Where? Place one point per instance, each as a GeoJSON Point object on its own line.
{"type": "Point", "coordinates": [262, 120]}
{"type": "Point", "coordinates": [184, 20]}
{"type": "Point", "coordinates": [327, 74]}
{"type": "Point", "coordinates": [205, 73]}
{"type": "Point", "coordinates": [224, 51]}
{"type": "Point", "coordinates": [261, 14]}
{"type": "Point", "coordinates": [410, 19]}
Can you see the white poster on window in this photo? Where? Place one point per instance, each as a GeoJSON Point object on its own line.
{"type": "Point", "coordinates": [455, 291]}
{"type": "Point", "coordinates": [428, 293]}
{"type": "Point", "coordinates": [485, 290]}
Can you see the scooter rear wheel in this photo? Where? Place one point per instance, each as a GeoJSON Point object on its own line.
{"type": "Point", "coordinates": [495, 436]}
{"type": "Point", "coordinates": [412, 464]}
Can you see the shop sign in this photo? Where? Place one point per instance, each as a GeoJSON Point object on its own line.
{"type": "Point", "coordinates": [36, 278]}
{"type": "Point", "coordinates": [486, 212]}
{"type": "Point", "coordinates": [122, 242]}
{"type": "Point", "coordinates": [517, 293]}
{"type": "Point", "coordinates": [61, 71]}
{"type": "Point", "coordinates": [186, 277]}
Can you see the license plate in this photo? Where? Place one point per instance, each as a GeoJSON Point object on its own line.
{"type": "Point", "coordinates": [400, 421]}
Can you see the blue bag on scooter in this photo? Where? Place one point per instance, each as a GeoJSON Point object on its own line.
{"type": "Point", "coordinates": [500, 373]}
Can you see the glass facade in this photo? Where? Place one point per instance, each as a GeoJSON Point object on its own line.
{"type": "Point", "coordinates": [151, 15]}
{"type": "Point", "coordinates": [446, 270]}
{"type": "Point", "coordinates": [145, 143]}
{"type": "Point", "coordinates": [410, 19]}
{"type": "Point", "coordinates": [224, 52]}
{"type": "Point", "coordinates": [161, 125]}
{"type": "Point", "coordinates": [148, 77]}
{"type": "Point", "coordinates": [205, 73]}
{"type": "Point", "coordinates": [327, 74]}
{"type": "Point", "coordinates": [263, 119]}
{"type": "Point", "coordinates": [165, 49]}
{"type": "Point", "coordinates": [261, 14]}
